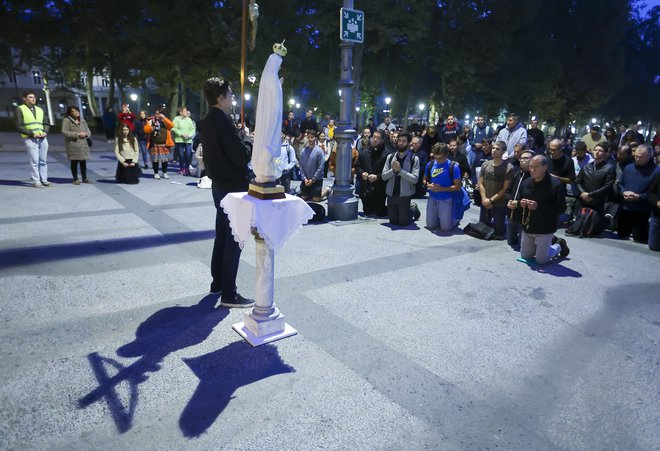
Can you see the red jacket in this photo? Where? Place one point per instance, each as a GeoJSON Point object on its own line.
{"type": "Point", "coordinates": [128, 119]}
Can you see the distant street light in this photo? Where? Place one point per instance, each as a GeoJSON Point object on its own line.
{"type": "Point", "coordinates": [593, 120]}
{"type": "Point", "coordinates": [292, 101]}
{"type": "Point", "coordinates": [297, 105]}
{"type": "Point", "coordinates": [357, 108]}
{"type": "Point", "coordinates": [134, 97]}
{"type": "Point", "coordinates": [421, 107]}
{"type": "Point", "coordinates": [388, 100]}
{"type": "Point", "coordinates": [252, 78]}
{"type": "Point", "coordinates": [247, 96]}
{"type": "Point", "coordinates": [467, 117]}
{"type": "Point", "coordinates": [233, 102]}
{"type": "Point", "coordinates": [339, 91]}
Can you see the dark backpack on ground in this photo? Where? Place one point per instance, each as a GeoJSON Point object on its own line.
{"type": "Point", "coordinates": [319, 212]}
{"type": "Point", "coordinates": [414, 211]}
{"type": "Point", "coordinates": [479, 230]}
{"type": "Point", "coordinates": [587, 223]}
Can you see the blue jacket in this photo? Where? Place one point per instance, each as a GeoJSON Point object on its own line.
{"type": "Point", "coordinates": [637, 179]}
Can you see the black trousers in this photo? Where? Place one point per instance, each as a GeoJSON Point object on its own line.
{"type": "Point", "coordinates": [634, 222]}
{"type": "Point", "coordinates": [398, 210]}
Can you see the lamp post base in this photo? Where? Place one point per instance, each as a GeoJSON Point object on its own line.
{"type": "Point", "coordinates": [262, 340]}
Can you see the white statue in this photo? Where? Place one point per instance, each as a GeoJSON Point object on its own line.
{"type": "Point", "coordinates": [266, 152]}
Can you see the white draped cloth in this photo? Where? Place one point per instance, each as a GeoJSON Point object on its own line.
{"type": "Point", "coordinates": [266, 158]}
{"type": "Point", "coordinates": [276, 220]}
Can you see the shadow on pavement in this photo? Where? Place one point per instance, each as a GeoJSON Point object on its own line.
{"type": "Point", "coordinates": [10, 258]}
{"type": "Point", "coordinates": [166, 331]}
{"type": "Point", "coordinates": [220, 374]}
{"type": "Point", "coordinates": [15, 183]}
{"type": "Point", "coordinates": [554, 268]}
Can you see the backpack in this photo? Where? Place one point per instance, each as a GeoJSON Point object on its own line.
{"type": "Point", "coordinates": [587, 223]}
{"type": "Point", "coordinates": [414, 211]}
{"type": "Point", "coordinates": [319, 212]}
{"type": "Point", "coordinates": [479, 230]}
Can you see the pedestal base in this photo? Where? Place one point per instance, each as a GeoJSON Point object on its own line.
{"type": "Point", "coordinates": [265, 191]}
{"type": "Point", "coordinates": [257, 341]}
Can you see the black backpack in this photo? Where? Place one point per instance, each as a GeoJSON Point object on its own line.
{"type": "Point", "coordinates": [319, 212]}
{"type": "Point", "coordinates": [587, 223]}
{"type": "Point", "coordinates": [479, 230]}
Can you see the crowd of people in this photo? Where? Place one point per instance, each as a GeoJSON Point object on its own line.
{"type": "Point", "coordinates": [526, 184]}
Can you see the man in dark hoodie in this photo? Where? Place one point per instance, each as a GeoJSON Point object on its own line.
{"type": "Point", "coordinates": [451, 130]}
{"type": "Point", "coordinates": [635, 182]}
{"type": "Point", "coordinates": [226, 156]}
{"type": "Point", "coordinates": [541, 199]}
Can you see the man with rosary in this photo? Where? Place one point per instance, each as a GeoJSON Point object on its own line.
{"type": "Point", "coordinates": [541, 199]}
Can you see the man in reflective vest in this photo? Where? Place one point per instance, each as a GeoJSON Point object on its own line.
{"type": "Point", "coordinates": [33, 125]}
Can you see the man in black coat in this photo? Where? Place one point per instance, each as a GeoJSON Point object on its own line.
{"type": "Point", "coordinates": [541, 199]}
{"type": "Point", "coordinates": [369, 168]}
{"type": "Point", "coordinates": [226, 156]}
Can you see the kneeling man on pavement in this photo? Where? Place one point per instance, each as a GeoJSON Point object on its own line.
{"type": "Point", "coordinates": [542, 200]}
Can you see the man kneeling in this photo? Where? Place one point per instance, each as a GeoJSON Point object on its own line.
{"type": "Point", "coordinates": [542, 200]}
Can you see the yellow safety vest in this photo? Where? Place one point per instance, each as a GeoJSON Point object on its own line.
{"type": "Point", "coordinates": [34, 124]}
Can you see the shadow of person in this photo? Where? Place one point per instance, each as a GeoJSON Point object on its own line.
{"type": "Point", "coordinates": [220, 374]}
{"type": "Point", "coordinates": [166, 331]}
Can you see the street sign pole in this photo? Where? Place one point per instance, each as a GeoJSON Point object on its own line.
{"type": "Point", "coordinates": [342, 204]}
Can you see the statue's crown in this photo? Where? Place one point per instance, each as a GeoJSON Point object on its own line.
{"type": "Point", "coordinates": [279, 48]}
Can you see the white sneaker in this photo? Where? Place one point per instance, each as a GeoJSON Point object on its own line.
{"type": "Point", "coordinates": [156, 177]}
{"type": "Point", "coordinates": [165, 176]}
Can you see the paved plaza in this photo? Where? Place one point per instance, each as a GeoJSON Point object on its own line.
{"type": "Point", "coordinates": [406, 339]}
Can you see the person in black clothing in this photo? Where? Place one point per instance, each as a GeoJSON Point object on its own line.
{"type": "Point", "coordinates": [595, 180]}
{"type": "Point", "coordinates": [514, 226]}
{"type": "Point", "coordinates": [541, 198]}
{"type": "Point", "coordinates": [226, 156]}
{"type": "Point", "coordinates": [309, 123]}
{"type": "Point", "coordinates": [562, 168]}
{"type": "Point", "coordinates": [451, 130]}
{"type": "Point", "coordinates": [653, 198]}
{"type": "Point", "coordinates": [369, 168]}
{"type": "Point", "coordinates": [458, 157]}
{"type": "Point", "coordinates": [430, 139]}
{"type": "Point", "coordinates": [633, 186]}
{"type": "Point", "coordinates": [535, 137]}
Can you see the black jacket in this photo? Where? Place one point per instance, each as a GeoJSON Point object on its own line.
{"type": "Point", "coordinates": [372, 161]}
{"type": "Point", "coordinates": [513, 190]}
{"type": "Point", "coordinates": [461, 160]}
{"type": "Point", "coordinates": [549, 195]}
{"type": "Point", "coordinates": [653, 195]}
{"type": "Point", "coordinates": [596, 181]}
{"type": "Point", "coordinates": [226, 156]}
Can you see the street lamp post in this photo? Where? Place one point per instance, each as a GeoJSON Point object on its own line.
{"type": "Point", "coordinates": [342, 204]}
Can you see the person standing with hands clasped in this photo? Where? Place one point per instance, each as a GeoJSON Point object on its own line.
{"type": "Point", "coordinates": [542, 200]}
{"type": "Point", "coordinates": [76, 132]}
{"type": "Point", "coordinates": [226, 157]}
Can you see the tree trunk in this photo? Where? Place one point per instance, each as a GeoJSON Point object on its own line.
{"type": "Point", "coordinates": [202, 104]}
{"type": "Point", "coordinates": [89, 89]}
{"type": "Point", "coordinates": [122, 92]}
{"type": "Point", "coordinates": [174, 95]}
{"type": "Point", "coordinates": [111, 88]}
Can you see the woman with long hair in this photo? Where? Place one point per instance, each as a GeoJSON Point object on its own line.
{"type": "Point", "coordinates": [160, 141]}
{"type": "Point", "coordinates": [126, 151]}
{"type": "Point", "coordinates": [142, 138]}
{"type": "Point", "coordinates": [76, 133]}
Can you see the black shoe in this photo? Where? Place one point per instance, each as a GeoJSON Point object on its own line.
{"type": "Point", "coordinates": [563, 253]}
{"type": "Point", "coordinates": [236, 301]}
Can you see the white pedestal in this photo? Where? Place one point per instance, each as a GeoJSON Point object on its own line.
{"type": "Point", "coordinates": [277, 220]}
{"type": "Point", "coordinates": [264, 323]}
